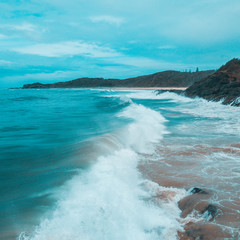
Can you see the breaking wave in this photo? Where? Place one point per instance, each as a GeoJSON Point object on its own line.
{"type": "Point", "coordinates": [110, 200]}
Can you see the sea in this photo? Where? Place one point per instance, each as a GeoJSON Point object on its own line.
{"type": "Point", "coordinates": [111, 164]}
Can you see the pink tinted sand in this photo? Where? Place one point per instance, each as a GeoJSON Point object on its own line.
{"type": "Point", "coordinates": [184, 168]}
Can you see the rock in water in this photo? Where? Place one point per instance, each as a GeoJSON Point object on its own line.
{"type": "Point", "coordinates": [197, 190]}
{"type": "Point", "coordinates": [224, 85]}
{"type": "Point", "coordinates": [210, 211]}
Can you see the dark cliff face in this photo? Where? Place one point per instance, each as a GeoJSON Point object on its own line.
{"type": "Point", "coordinates": [160, 79]}
{"type": "Point", "coordinates": [224, 85]}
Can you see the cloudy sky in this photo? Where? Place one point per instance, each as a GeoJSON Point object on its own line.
{"type": "Point", "coordinates": [58, 40]}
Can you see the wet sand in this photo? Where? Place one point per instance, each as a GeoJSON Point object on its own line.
{"type": "Point", "coordinates": [211, 208]}
{"type": "Point", "coordinates": [145, 88]}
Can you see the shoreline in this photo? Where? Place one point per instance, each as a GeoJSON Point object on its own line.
{"type": "Point", "coordinates": [147, 88]}
{"type": "Point", "coordinates": [120, 88]}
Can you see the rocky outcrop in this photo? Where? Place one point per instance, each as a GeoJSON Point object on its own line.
{"type": "Point", "coordinates": [223, 85]}
{"type": "Point", "coordinates": [198, 203]}
{"type": "Point", "coordinates": [160, 79]}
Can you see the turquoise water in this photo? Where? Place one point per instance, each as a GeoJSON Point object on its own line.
{"type": "Point", "coordinates": [69, 160]}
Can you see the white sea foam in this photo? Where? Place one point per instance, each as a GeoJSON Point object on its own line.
{"type": "Point", "coordinates": [148, 128]}
{"type": "Point", "coordinates": [196, 107]}
{"type": "Point", "coordinates": [204, 108]}
{"type": "Point", "coordinates": [109, 201]}
{"type": "Point", "coordinates": [153, 95]}
{"type": "Point", "coordinates": [228, 115]}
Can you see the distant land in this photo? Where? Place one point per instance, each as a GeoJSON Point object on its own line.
{"type": "Point", "coordinates": [163, 79]}
{"type": "Point", "coordinates": [223, 85]}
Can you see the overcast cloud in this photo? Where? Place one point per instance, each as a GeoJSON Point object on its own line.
{"type": "Point", "coordinates": [52, 40]}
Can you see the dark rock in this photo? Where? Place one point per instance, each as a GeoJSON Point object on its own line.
{"type": "Point", "coordinates": [160, 79]}
{"type": "Point", "coordinates": [223, 85]}
{"type": "Point", "coordinates": [198, 202]}
{"type": "Point", "coordinates": [210, 211]}
{"type": "Point", "coordinates": [197, 190]}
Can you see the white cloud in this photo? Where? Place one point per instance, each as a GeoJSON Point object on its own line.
{"type": "Point", "coordinates": [2, 36]}
{"type": "Point", "coordinates": [197, 23]}
{"type": "Point", "coordinates": [49, 76]}
{"type": "Point", "coordinates": [144, 62]}
{"type": "Point", "coordinates": [39, 77]}
{"type": "Point", "coordinates": [138, 61]}
{"type": "Point", "coordinates": [166, 47]}
{"type": "Point", "coordinates": [108, 19]}
{"type": "Point", "coordinates": [26, 27]}
{"type": "Point", "coordinates": [69, 48]}
{"type": "Point", "coordinates": [4, 62]}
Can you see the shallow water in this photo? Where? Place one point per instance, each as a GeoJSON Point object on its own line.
{"type": "Point", "coordinates": [100, 164]}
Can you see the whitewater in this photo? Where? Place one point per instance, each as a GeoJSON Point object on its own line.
{"type": "Point", "coordinates": [114, 164]}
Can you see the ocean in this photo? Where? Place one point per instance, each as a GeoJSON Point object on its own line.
{"type": "Point", "coordinates": [101, 164]}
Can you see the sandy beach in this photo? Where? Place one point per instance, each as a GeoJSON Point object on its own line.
{"type": "Point", "coordinates": [146, 88]}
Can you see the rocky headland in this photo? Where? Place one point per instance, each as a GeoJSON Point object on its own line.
{"type": "Point", "coordinates": [160, 79]}
{"type": "Point", "coordinates": [223, 85]}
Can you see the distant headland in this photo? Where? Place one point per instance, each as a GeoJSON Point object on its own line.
{"type": "Point", "coordinates": [221, 85]}
{"type": "Point", "coordinates": [165, 79]}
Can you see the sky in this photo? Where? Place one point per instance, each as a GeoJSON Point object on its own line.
{"type": "Point", "coordinates": [57, 40]}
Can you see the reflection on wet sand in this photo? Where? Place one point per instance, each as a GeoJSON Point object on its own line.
{"type": "Point", "coordinates": [211, 175]}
